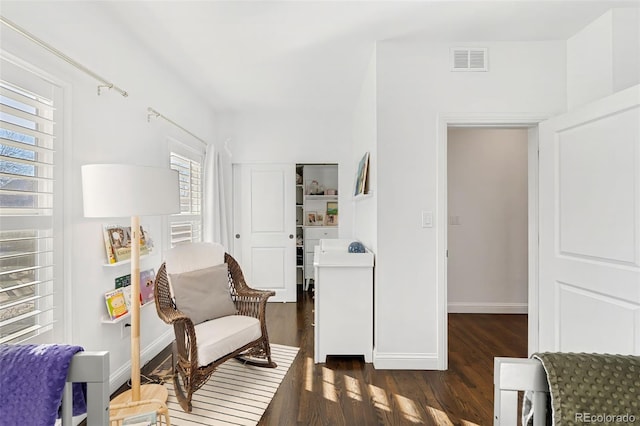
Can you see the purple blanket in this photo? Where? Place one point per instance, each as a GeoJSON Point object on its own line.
{"type": "Point", "coordinates": [32, 378]}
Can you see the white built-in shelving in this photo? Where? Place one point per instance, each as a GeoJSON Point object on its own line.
{"type": "Point", "coordinates": [316, 185]}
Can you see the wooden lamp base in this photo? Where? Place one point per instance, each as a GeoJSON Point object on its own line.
{"type": "Point", "coordinates": [153, 397]}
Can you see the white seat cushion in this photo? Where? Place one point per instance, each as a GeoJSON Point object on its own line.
{"type": "Point", "coordinates": [221, 336]}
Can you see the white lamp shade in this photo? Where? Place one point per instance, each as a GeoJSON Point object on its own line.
{"type": "Point", "coordinates": [121, 190]}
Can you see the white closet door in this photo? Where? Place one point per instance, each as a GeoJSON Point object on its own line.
{"type": "Point", "coordinates": [264, 227]}
{"type": "Point", "coordinates": [589, 296]}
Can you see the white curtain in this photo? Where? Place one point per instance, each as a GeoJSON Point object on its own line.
{"type": "Point", "coordinates": [215, 224]}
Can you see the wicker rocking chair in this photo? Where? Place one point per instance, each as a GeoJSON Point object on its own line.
{"type": "Point", "coordinates": [187, 367]}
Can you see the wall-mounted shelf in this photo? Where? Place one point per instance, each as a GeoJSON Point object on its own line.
{"type": "Point", "coordinates": [125, 262]}
{"type": "Point", "coordinates": [107, 320]}
{"type": "Point", "coordinates": [322, 197]}
{"type": "Point", "coordinates": [315, 183]}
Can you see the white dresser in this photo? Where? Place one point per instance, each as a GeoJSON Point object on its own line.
{"type": "Point", "coordinates": [343, 301]}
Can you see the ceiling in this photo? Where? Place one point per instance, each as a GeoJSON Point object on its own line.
{"type": "Point", "coordinates": [312, 55]}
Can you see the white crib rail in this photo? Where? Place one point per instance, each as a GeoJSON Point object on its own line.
{"type": "Point", "coordinates": [518, 374]}
{"type": "Point", "coordinates": [92, 368]}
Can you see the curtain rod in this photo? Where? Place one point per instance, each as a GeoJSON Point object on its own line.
{"type": "Point", "coordinates": [153, 113]}
{"type": "Point", "coordinates": [61, 55]}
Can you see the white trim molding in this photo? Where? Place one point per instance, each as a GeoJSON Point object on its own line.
{"type": "Point", "coordinates": [405, 361]}
{"type": "Point", "coordinates": [474, 119]}
{"type": "Point", "coordinates": [487, 308]}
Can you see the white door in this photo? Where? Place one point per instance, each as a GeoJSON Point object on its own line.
{"type": "Point", "coordinates": [264, 227]}
{"type": "Point", "coordinates": [589, 288]}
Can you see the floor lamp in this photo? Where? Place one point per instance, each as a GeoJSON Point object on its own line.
{"type": "Point", "coordinates": [122, 190]}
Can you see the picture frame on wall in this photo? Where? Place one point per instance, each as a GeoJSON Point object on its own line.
{"type": "Point", "coordinates": [362, 184]}
{"type": "Point", "coordinates": [332, 207]}
{"type": "Point", "coordinates": [311, 218]}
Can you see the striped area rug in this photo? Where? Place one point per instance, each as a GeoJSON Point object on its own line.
{"type": "Point", "coordinates": [236, 394]}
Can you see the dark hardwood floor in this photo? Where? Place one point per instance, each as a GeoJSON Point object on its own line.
{"type": "Point", "coordinates": [346, 391]}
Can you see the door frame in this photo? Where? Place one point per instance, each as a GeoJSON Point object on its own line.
{"type": "Point", "coordinates": [489, 120]}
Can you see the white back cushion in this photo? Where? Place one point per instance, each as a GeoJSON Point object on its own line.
{"type": "Point", "coordinates": [193, 256]}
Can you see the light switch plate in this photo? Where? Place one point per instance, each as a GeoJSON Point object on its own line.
{"type": "Point", "coordinates": [427, 219]}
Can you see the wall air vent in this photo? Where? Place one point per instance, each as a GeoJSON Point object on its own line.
{"type": "Point", "coordinates": [469, 59]}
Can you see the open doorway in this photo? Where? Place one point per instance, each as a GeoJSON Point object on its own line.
{"type": "Point", "coordinates": [529, 123]}
{"type": "Point", "coordinates": [487, 242]}
{"type": "Point", "coordinates": [487, 207]}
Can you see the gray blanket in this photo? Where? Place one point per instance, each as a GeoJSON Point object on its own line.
{"type": "Point", "coordinates": [590, 388]}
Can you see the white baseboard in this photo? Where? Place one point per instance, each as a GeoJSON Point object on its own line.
{"type": "Point", "coordinates": [120, 376]}
{"type": "Point", "coordinates": [487, 308]}
{"type": "Point", "coordinates": [405, 361]}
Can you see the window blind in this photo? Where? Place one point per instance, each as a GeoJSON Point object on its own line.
{"type": "Point", "coordinates": [187, 225]}
{"type": "Point", "coordinates": [27, 184]}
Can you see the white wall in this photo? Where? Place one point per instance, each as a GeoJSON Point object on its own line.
{"type": "Point", "coordinates": [102, 129]}
{"type": "Point", "coordinates": [365, 212]}
{"type": "Point", "coordinates": [284, 136]}
{"type": "Point", "coordinates": [414, 86]}
{"type": "Point", "coordinates": [487, 232]}
{"type": "Point", "coordinates": [604, 57]}
{"type": "Point", "coordinates": [589, 63]}
{"type": "Point", "coordinates": [626, 48]}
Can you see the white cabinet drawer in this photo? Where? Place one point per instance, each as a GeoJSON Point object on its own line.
{"type": "Point", "coordinates": [319, 233]}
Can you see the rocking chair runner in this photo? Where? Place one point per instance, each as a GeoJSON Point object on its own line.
{"type": "Point", "coordinates": [248, 302]}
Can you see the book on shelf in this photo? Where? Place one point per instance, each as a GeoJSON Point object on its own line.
{"type": "Point", "coordinates": [124, 283]}
{"type": "Point", "coordinates": [116, 303]}
{"type": "Point", "coordinates": [111, 255]}
{"type": "Point", "coordinates": [147, 279]}
{"type": "Point", "coordinates": [127, 296]}
{"type": "Point", "coordinates": [118, 242]}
